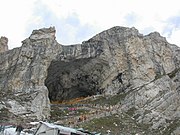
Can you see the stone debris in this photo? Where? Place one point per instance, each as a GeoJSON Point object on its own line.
{"type": "Point", "coordinates": [118, 60]}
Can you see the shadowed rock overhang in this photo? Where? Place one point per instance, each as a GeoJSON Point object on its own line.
{"type": "Point", "coordinates": [117, 60]}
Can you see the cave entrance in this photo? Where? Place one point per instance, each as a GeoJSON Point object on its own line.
{"type": "Point", "coordinates": [74, 79]}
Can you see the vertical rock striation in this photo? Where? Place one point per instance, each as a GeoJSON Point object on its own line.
{"type": "Point", "coordinates": [23, 73]}
{"type": "Point", "coordinates": [120, 59]}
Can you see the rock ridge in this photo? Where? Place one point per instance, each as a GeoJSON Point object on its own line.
{"type": "Point", "coordinates": [117, 60]}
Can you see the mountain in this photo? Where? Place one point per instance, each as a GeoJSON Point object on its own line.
{"type": "Point", "coordinates": [118, 60]}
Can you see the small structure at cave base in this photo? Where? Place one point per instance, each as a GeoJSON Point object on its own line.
{"type": "Point", "coordinates": [45, 128]}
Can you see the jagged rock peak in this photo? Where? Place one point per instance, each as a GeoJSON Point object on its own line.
{"type": "Point", "coordinates": [120, 29]}
{"type": "Point", "coordinates": [3, 44]}
{"type": "Point", "coordinates": [43, 33]}
{"type": "Point", "coordinates": [145, 69]}
{"type": "Point", "coordinates": [118, 32]}
{"type": "Point", "coordinates": [156, 35]}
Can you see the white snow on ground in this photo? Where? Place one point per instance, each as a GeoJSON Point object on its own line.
{"type": "Point", "coordinates": [12, 131]}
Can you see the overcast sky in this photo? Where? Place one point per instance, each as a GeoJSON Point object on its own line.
{"type": "Point", "coordinates": [79, 20]}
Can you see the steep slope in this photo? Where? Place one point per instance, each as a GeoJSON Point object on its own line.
{"type": "Point", "coordinates": [117, 60]}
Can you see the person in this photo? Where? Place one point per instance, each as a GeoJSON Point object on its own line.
{"type": "Point", "coordinates": [19, 128]}
{"type": "Point", "coordinates": [1, 128]}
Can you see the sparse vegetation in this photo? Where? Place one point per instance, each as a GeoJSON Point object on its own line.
{"type": "Point", "coordinates": [116, 124]}
{"type": "Point", "coordinates": [158, 76]}
{"type": "Point", "coordinates": [107, 100]}
{"type": "Point", "coordinates": [60, 113]}
{"type": "Point", "coordinates": [7, 117]}
{"type": "Point", "coordinates": [4, 114]}
{"type": "Point", "coordinates": [121, 123]}
{"type": "Point", "coordinates": [173, 125]}
{"type": "Point", "coordinates": [131, 111]}
{"type": "Point", "coordinates": [173, 73]}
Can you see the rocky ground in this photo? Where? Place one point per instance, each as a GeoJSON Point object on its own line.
{"type": "Point", "coordinates": [103, 114]}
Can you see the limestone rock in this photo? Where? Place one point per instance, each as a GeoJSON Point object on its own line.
{"type": "Point", "coordinates": [3, 44]}
{"type": "Point", "coordinates": [24, 71]}
{"type": "Point", "coordinates": [44, 33]}
{"type": "Point", "coordinates": [120, 59]}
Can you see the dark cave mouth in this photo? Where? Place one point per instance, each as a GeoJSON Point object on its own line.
{"type": "Point", "coordinates": [70, 80]}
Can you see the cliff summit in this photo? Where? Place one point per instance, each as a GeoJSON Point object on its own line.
{"type": "Point", "coordinates": [118, 60]}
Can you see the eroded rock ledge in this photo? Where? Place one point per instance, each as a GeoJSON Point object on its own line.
{"type": "Point", "coordinates": [117, 60]}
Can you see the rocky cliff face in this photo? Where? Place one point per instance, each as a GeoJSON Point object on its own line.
{"type": "Point", "coordinates": [22, 75]}
{"type": "Point", "coordinates": [117, 60]}
{"type": "Point", "coordinates": [3, 44]}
